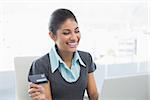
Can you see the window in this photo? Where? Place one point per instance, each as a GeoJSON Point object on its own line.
{"type": "Point", "coordinates": [111, 32]}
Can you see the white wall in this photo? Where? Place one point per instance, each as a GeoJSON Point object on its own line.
{"type": "Point", "coordinates": [24, 27]}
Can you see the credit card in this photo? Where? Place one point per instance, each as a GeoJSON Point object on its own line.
{"type": "Point", "coordinates": [38, 78]}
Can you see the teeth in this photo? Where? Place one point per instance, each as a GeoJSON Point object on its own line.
{"type": "Point", "coordinates": [73, 44]}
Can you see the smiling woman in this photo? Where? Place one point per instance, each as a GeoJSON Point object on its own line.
{"type": "Point", "coordinates": [114, 32]}
{"type": "Point", "coordinates": [68, 70]}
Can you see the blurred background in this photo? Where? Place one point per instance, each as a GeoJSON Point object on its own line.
{"type": "Point", "coordinates": [115, 32]}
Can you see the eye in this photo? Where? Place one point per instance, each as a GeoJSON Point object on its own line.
{"type": "Point", "coordinates": [77, 31]}
{"type": "Point", "coordinates": [66, 32]}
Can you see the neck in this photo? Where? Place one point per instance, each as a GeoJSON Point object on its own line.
{"type": "Point", "coordinates": [66, 57]}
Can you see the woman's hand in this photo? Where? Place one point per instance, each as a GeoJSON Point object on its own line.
{"type": "Point", "coordinates": [37, 92]}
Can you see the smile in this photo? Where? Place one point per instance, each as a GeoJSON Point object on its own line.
{"type": "Point", "coordinates": [73, 44]}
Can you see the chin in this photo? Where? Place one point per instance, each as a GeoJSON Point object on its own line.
{"type": "Point", "coordinates": [72, 49]}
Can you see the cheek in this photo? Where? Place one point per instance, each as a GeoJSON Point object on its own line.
{"type": "Point", "coordinates": [79, 36]}
{"type": "Point", "coordinates": [61, 40]}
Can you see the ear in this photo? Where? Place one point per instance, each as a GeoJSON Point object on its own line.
{"type": "Point", "coordinates": [53, 37]}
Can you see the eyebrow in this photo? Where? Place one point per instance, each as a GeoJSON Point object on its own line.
{"type": "Point", "coordinates": [69, 29]}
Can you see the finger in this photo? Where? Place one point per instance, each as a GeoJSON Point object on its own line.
{"type": "Point", "coordinates": [35, 94]}
{"type": "Point", "coordinates": [33, 90]}
{"type": "Point", "coordinates": [29, 84]}
{"type": "Point", "coordinates": [32, 85]}
{"type": "Point", "coordinates": [36, 98]}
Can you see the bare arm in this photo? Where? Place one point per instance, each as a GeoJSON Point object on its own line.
{"type": "Point", "coordinates": [91, 88]}
{"type": "Point", "coordinates": [40, 92]}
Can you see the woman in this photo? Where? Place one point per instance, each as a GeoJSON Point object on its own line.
{"type": "Point", "coordinates": [69, 71]}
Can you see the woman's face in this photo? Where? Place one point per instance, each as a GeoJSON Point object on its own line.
{"type": "Point", "coordinates": [68, 36]}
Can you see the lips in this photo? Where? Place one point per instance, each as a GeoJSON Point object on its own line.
{"type": "Point", "coordinates": [72, 44]}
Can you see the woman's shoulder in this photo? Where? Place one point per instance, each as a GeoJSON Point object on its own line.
{"type": "Point", "coordinates": [42, 59]}
{"type": "Point", "coordinates": [85, 56]}
{"type": "Point", "coordinates": [87, 59]}
{"type": "Point", "coordinates": [40, 65]}
{"type": "Point", "coordinates": [84, 53]}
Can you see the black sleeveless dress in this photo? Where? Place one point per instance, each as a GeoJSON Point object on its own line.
{"type": "Point", "coordinates": [60, 88]}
